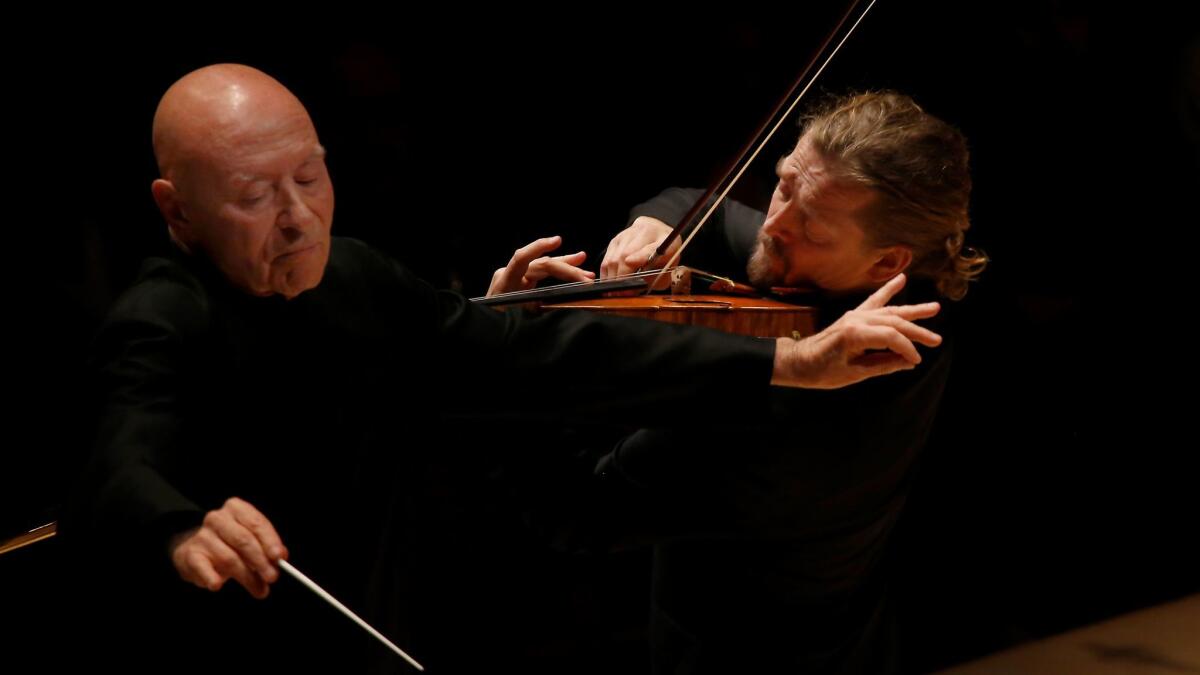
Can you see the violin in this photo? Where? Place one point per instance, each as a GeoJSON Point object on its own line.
{"type": "Point", "coordinates": [696, 297]}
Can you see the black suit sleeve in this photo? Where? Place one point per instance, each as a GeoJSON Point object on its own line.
{"type": "Point", "coordinates": [586, 365]}
{"type": "Point", "coordinates": [142, 364]}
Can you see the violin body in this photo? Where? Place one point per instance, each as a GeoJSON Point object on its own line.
{"type": "Point", "coordinates": [693, 298]}
{"type": "Point", "coordinates": [741, 312]}
{"type": "Point", "coordinates": [759, 317]}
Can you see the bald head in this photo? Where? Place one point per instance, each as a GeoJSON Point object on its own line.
{"type": "Point", "coordinates": [243, 180]}
{"type": "Point", "coordinates": [209, 110]}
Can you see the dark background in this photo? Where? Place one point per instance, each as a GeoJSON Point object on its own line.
{"type": "Point", "coordinates": [1061, 485]}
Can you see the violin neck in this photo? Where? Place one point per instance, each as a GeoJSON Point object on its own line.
{"type": "Point", "coordinates": [565, 292]}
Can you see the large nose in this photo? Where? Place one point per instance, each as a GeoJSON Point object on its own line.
{"type": "Point", "coordinates": [296, 217]}
{"type": "Point", "coordinates": [781, 222]}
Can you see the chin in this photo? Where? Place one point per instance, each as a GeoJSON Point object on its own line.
{"type": "Point", "coordinates": [296, 281]}
{"type": "Point", "coordinates": [763, 274]}
{"type": "Point", "coordinates": [307, 285]}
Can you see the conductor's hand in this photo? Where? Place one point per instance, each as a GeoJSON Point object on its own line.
{"type": "Point", "coordinates": [236, 542]}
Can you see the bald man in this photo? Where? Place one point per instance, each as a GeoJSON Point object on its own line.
{"type": "Point", "coordinates": [244, 179]}
{"type": "Point", "coordinates": [266, 382]}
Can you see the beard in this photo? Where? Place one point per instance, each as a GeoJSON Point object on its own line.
{"type": "Point", "coordinates": [767, 267]}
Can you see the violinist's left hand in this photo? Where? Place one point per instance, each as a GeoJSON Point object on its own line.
{"type": "Point", "coordinates": [871, 340]}
{"type": "Point", "coordinates": [530, 264]}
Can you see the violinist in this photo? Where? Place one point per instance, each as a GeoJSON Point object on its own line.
{"type": "Point", "coordinates": [770, 559]}
{"type": "Point", "coordinates": [266, 391]}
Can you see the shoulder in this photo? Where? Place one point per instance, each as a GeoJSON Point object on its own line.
{"type": "Point", "coordinates": [355, 262]}
{"type": "Point", "coordinates": [165, 313]}
{"type": "Point", "coordinates": [166, 294]}
{"type": "Point", "coordinates": [364, 281]}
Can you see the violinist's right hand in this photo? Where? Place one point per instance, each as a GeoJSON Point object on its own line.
{"type": "Point", "coordinates": [632, 246]}
{"type": "Point", "coordinates": [530, 264]}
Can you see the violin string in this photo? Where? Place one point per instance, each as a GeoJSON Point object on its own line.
{"type": "Point", "coordinates": [674, 260]}
{"type": "Point", "coordinates": [573, 284]}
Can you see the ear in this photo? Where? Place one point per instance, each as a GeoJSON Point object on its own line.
{"type": "Point", "coordinates": [891, 261]}
{"type": "Point", "coordinates": [171, 207]}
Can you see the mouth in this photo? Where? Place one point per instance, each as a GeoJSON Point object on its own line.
{"type": "Point", "coordinates": [766, 267]}
{"type": "Point", "coordinates": [297, 253]}
{"type": "Point", "coordinates": [769, 246]}
{"type": "Point", "coordinates": [768, 254]}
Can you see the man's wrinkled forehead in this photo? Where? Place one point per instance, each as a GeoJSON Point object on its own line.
{"type": "Point", "coordinates": [257, 143]}
{"type": "Point", "coordinates": [245, 176]}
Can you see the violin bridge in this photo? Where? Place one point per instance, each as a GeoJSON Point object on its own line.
{"type": "Point", "coordinates": [681, 281]}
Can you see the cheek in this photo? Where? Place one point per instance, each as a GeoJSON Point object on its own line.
{"type": "Point", "coordinates": [239, 241]}
{"type": "Point", "coordinates": [255, 242]}
{"type": "Point", "coordinates": [321, 203]}
{"type": "Point", "coordinates": [327, 212]}
{"type": "Point", "coordinates": [814, 263]}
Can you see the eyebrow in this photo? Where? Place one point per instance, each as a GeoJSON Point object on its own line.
{"type": "Point", "coordinates": [246, 178]}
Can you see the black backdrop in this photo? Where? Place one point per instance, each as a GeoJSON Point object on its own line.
{"type": "Point", "coordinates": [1060, 487]}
